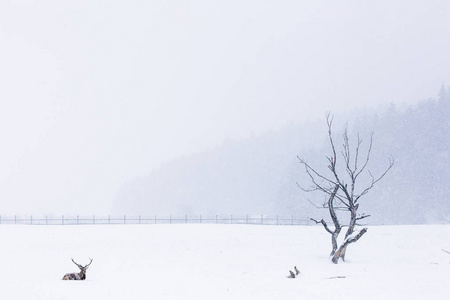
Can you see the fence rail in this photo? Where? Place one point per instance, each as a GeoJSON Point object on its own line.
{"type": "Point", "coordinates": [217, 219]}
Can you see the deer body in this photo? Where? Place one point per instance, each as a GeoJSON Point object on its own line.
{"type": "Point", "coordinates": [74, 276]}
{"type": "Point", "coordinates": [78, 276]}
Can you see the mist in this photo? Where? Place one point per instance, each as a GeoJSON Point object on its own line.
{"type": "Point", "coordinates": [95, 95]}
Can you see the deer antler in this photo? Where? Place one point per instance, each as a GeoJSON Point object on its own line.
{"type": "Point", "coordinates": [89, 263]}
{"type": "Point", "coordinates": [79, 266]}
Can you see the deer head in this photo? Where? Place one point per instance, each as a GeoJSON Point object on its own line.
{"type": "Point", "coordinates": [78, 276]}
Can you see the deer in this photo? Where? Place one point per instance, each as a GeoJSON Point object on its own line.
{"type": "Point", "coordinates": [78, 276]}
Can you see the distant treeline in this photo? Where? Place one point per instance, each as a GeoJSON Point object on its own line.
{"type": "Point", "coordinates": [260, 174]}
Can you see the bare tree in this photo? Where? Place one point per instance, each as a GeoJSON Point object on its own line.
{"type": "Point", "coordinates": [340, 186]}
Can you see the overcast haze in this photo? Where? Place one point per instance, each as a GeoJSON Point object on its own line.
{"type": "Point", "coordinates": [95, 94]}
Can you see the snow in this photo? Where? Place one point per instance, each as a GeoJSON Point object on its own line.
{"type": "Point", "coordinates": [195, 261]}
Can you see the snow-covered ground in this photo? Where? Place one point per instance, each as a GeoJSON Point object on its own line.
{"type": "Point", "coordinates": [222, 262]}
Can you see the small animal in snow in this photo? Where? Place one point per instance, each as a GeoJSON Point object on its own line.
{"type": "Point", "coordinates": [78, 276]}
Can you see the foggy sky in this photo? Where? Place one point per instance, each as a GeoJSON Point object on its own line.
{"type": "Point", "coordinates": [93, 95]}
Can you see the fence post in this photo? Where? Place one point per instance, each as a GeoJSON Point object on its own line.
{"type": "Point", "coordinates": [139, 219]}
{"type": "Point", "coordinates": [185, 218]}
{"type": "Point", "coordinates": [93, 219]}
{"type": "Point", "coordinates": [46, 220]}
{"type": "Point", "coordinates": [109, 219]}
{"type": "Point", "coordinates": [277, 220]}
{"type": "Point", "coordinates": [62, 220]}
{"type": "Point", "coordinates": [231, 219]}
{"type": "Point", "coordinates": [15, 219]}
{"type": "Point", "coordinates": [216, 219]}
{"type": "Point", "coordinates": [262, 219]}
{"type": "Point", "coordinates": [124, 219]}
{"type": "Point", "coordinates": [246, 219]}
{"type": "Point", "coordinates": [155, 219]}
{"type": "Point", "coordinates": [170, 219]}
{"type": "Point", "coordinates": [31, 220]}
{"type": "Point", "coordinates": [200, 219]}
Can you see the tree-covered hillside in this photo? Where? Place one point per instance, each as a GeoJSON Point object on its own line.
{"type": "Point", "coordinates": [259, 175]}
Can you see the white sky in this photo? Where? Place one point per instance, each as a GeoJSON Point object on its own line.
{"type": "Point", "coordinates": [95, 93]}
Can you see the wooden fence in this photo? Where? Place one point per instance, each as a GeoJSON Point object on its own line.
{"type": "Point", "coordinates": [217, 219]}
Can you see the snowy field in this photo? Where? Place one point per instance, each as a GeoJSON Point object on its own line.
{"type": "Point", "coordinates": [222, 262]}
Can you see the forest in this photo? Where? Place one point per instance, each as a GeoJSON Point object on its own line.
{"type": "Point", "coordinates": [261, 174]}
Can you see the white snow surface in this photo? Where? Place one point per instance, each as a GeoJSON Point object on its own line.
{"type": "Point", "coordinates": [195, 261]}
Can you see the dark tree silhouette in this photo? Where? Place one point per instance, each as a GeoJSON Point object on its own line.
{"type": "Point", "coordinates": [341, 187]}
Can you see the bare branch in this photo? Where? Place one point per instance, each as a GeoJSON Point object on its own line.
{"type": "Point", "coordinates": [363, 216]}
{"type": "Point", "coordinates": [357, 153]}
{"type": "Point", "coordinates": [346, 153]}
{"type": "Point", "coordinates": [353, 239]}
{"type": "Point", "coordinates": [367, 157]}
{"type": "Point", "coordinates": [325, 225]}
{"type": "Point", "coordinates": [308, 168]}
{"type": "Point", "coordinates": [342, 200]}
{"type": "Point", "coordinates": [374, 181]}
{"type": "Point", "coordinates": [332, 160]}
{"type": "Point", "coordinates": [313, 174]}
{"type": "Point", "coordinates": [323, 206]}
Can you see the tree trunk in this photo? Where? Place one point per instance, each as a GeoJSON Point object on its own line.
{"type": "Point", "coordinates": [350, 230]}
{"type": "Point", "coordinates": [337, 225]}
{"type": "Point", "coordinates": [340, 253]}
{"type": "Point", "coordinates": [334, 237]}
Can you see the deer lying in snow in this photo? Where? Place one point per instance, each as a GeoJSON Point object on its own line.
{"type": "Point", "coordinates": [78, 276]}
